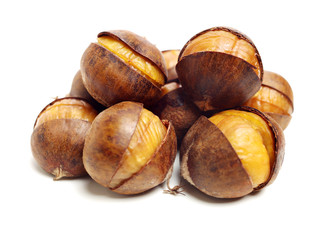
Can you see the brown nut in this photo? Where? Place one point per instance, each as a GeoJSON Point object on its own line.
{"type": "Point", "coordinates": [219, 68]}
{"type": "Point", "coordinates": [233, 153]}
{"type": "Point", "coordinates": [275, 98]}
{"type": "Point", "coordinates": [128, 149]}
{"type": "Point", "coordinates": [176, 107]}
{"type": "Point", "coordinates": [78, 90]}
{"type": "Point", "coordinates": [58, 136]}
{"type": "Point", "coordinates": [123, 66]}
{"type": "Point", "coordinates": [171, 59]}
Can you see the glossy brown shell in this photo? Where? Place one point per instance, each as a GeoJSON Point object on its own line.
{"type": "Point", "coordinates": [216, 80]}
{"type": "Point", "coordinates": [78, 90]}
{"type": "Point", "coordinates": [209, 162]}
{"type": "Point", "coordinates": [57, 146]}
{"type": "Point", "coordinates": [109, 138]}
{"type": "Point", "coordinates": [110, 80]}
{"type": "Point", "coordinates": [176, 107]}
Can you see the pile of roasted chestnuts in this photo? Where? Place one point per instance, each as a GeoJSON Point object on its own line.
{"type": "Point", "coordinates": [132, 106]}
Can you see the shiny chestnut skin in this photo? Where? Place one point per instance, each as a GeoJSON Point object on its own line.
{"type": "Point", "coordinates": [217, 80]}
{"type": "Point", "coordinates": [171, 59]}
{"type": "Point", "coordinates": [110, 80]}
{"type": "Point", "coordinates": [277, 101]}
{"type": "Point", "coordinates": [78, 90]}
{"type": "Point", "coordinates": [57, 144]}
{"type": "Point", "coordinates": [210, 163]}
{"type": "Point", "coordinates": [107, 141]}
{"type": "Point", "coordinates": [176, 107]}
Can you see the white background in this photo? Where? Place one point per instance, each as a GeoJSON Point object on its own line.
{"type": "Point", "coordinates": [41, 46]}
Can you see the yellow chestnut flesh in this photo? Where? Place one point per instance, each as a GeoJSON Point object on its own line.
{"type": "Point", "coordinates": [171, 58]}
{"type": "Point", "coordinates": [252, 139]}
{"type": "Point", "coordinates": [149, 133]}
{"type": "Point", "coordinates": [225, 42]}
{"type": "Point", "coordinates": [140, 63]}
{"type": "Point", "coordinates": [270, 100]}
{"type": "Point", "coordinates": [69, 108]}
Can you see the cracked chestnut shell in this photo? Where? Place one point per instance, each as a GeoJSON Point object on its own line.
{"type": "Point", "coordinates": [128, 149]}
{"type": "Point", "coordinates": [274, 98]}
{"type": "Point", "coordinates": [175, 106]}
{"type": "Point", "coordinates": [58, 136]}
{"type": "Point", "coordinates": [220, 68]}
{"type": "Point", "coordinates": [171, 59]}
{"type": "Point", "coordinates": [123, 66]}
{"type": "Point", "coordinates": [78, 90]}
{"type": "Point", "coordinates": [210, 160]}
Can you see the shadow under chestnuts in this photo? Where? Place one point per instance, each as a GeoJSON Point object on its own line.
{"type": "Point", "coordinates": [132, 106]}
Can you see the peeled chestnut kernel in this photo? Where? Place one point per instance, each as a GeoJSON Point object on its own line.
{"type": "Point", "coordinates": [219, 68]}
{"type": "Point", "coordinates": [275, 98]}
{"type": "Point", "coordinates": [58, 136]}
{"type": "Point", "coordinates": [129, 149]}
{"type": "Point", "coordinates": [175, 106]}
{"type": "Point", "coordinates": [123, 66]}
{"type": "Point", "coordinates": [171, 59]}
{"type": "Point", "coordinates": [233, 153]}
{"type": "Point", "coordinates": [78, 90]}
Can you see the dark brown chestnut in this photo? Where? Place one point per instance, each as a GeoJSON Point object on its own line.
{"type": "Point", "coordinates": [275, 98]}
{"type": "Point", "coordinates": [219, 68]}
{"type": "Point", "coordinates": [171, 59]}
{"type": "Point", "coordinates": [58, 136]}
{"type": "Point", "coordinates": [78, 90]}
{"type": "Point", "coordinates": [233, 153]}
{"type": "Point", "coordinates": [176, 107]}
{"type": "Point", "coordinates": [129, 149]}
{"type": "Point", "coordinates": [123, 66]}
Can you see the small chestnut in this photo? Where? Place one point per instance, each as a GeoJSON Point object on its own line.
{"type": "Point", "coordinates": [171, 59]}
{"type": "Point", "coordinates": [219, 68]}
{"type": "Point", "coordinates": [78, 90]}
{"type": "Point", "coordinates": [275, 98]}
{"type": "Point", "coordinates": [175, 106]}
{"type": "Point", "coordinates": [123, 66]}
{"type": "Point", "coordinates": [233, 153]}
{"type": "Point", "coordinates": [129, 149]}
{"type": "Point", "coordinates": [58, 136]}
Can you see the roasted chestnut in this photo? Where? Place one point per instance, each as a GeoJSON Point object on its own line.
{"type": "Point", "coordinates": [175, 106]}
{"type": "Point", "coordinates": [233, 153]}
{"type": "Point", "coordinates": [78, 90]}
{"type": "Point", "coordinates": [58, 136]}
{"type": "Point", "coordinates": [275, 98]}
{"type": "Point", "coordinates": [123, 66]}
{"type": "Point", "coordinates": [219, 68]}
{"type": "Point", "coordinates": [129, 149]}
{"type": "Point", "coordinates": [171, 59]}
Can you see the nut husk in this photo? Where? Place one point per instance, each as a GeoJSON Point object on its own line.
{"type": "Point", "coordinates": [171, 59]}
{"type": "Point", "coordinates": [209, 162]}
{"type": "Point", "coordinates": [176, 107]}
{"type": "Point", "coordinates": [216, 80]}
{"type": "Point", "coordinates": [280, 84]}
{"type": "Point", "coordinates": [110, 80]}
{"type": "Point", "coordinates": [109, 138]}
{"type": "Point", "coordinates": [57, 145]}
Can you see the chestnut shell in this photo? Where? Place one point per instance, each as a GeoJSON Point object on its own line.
{"type": "Point", "coordinates": [107, 141]}
{"type": "Point", "coordinates": [57, 145]}
{"type": "Point", "coordinates": [216, 80]}
{"type": "Point", "coordinates": [110, 79]}
{"type": "Point", "coordinates": [209, 162]}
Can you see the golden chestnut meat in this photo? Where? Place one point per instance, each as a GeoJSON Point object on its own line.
{"type": "Point", "coordinates": [123, 66]}
{"type": "Point", "coordinates": [275, 98]}
{"type": "Point", "coordinates": [129, 149]}
{"type": "Point", "coordinates": [58, 136]}
{"type": "Point", "coordinates": [232, 153]}
{"type": "Point", "coordinates": [171, 59]}
{"type": "Point", "coordinates": [175, 106]}
{"type": "Point", "coordinates": [78, 90]}
{"type": "Point", "coordinates": [219, 68]}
